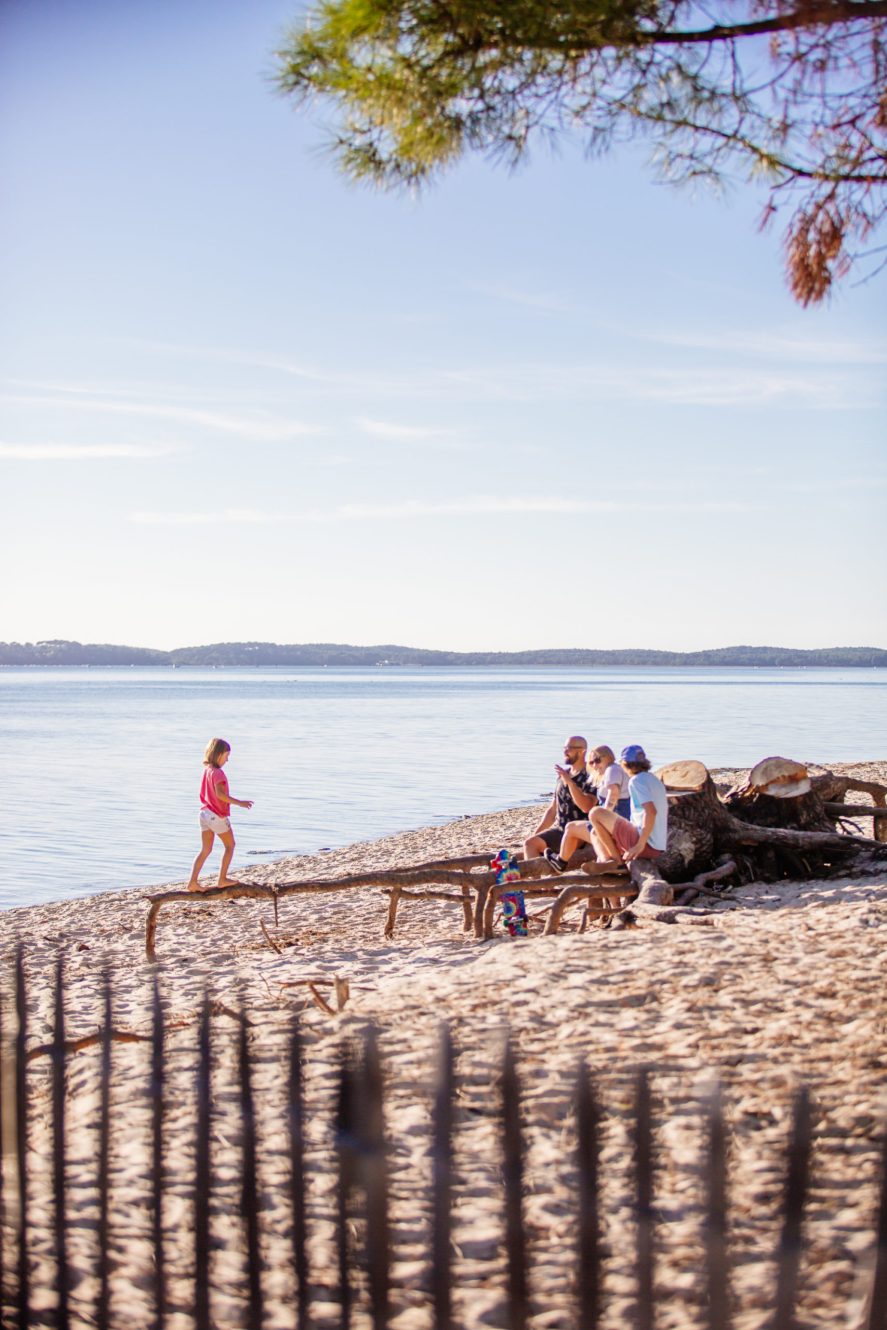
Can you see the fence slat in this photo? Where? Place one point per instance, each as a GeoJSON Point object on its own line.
{"type": "Point", "coordinates": [158, 1076]}
{"type": "Point", "coordinates": [297, 1175]}
{"type": "Point", "coordinates": [202, 1169]}
{"type": "Point", "coordinates": [644, 1199]}
{"type": "Point", "coordinates": [442, 1183]}
{"type": "Point", "coordinates": [715, 1232]}
{"type": "Point", "coordinates": [58, 1143]}
{"type": "Point", "coordinates": [877, 1319]}
{"type": "Point", "coordinates": [104, 1160]}
{"type": "Point", "coordinates": [375, 1180]}
{"type": "Point", "coordinates": [344, 1130]}
{"type": "Point", "coordinates": [587, 1127]}
{"type": "Point", "coordinates": [5, 1079]}
{"type": "Point", "coordinates": [249, 1197]}
{"type": "Point", "coordinates": [21, 1142]}
{"type": "Point", "coordinates": [513, 1174]}
{"type": "Point", "coordinates": [789, 1252]}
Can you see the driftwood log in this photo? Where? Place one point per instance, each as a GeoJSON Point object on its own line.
{"type": "Point", "coordinates": [471, 883]}
{"type": "Point", "coordinates": [780, 822]}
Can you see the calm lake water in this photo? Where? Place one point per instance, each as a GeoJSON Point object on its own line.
{"type": "Point", "coordinates": [102, 766]}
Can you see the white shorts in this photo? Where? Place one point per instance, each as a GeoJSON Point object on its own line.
{"type": "Point", "coordinates": [210, 821]}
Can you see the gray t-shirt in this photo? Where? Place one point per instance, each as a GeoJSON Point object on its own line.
{"type": "Point", "coordinates": [614, 775]}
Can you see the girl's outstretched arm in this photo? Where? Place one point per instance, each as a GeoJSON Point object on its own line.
{"type": "Point", "coordinates": [224, 795]}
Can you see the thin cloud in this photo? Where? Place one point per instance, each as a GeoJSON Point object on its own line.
{"type": "Point", "coordinates": [602, 381]}
{"type": "Point", "coordinates": [264, 428]}
{"type": "Point", "coordinates": [226, 515]}
{"type": "Point", "coordinates": [492, 506]}
{"type": "Point", "coordinates": [76, 452]}
{"type": "Point", "coordinates": [545, 302]}
{"type": "Point", "coordinates": [384, 429]}
{"type": "Point", "coordinates": [775, 372]}
{"type": "Point", "coordinates": [769, 346]}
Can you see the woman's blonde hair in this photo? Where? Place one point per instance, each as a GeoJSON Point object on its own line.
{"type": "Point", "coordinates": [607, 756]}
{"type": "Point", "coordinates": [214, 750]}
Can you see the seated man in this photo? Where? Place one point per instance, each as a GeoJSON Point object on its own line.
{"type": "Point", "coordinates": [573, 798]}
{"type": "Point", "coordinates": [615, 837]}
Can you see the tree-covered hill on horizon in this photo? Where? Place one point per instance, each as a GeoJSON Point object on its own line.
{"type": "Point", "coordinates": [59, 652]}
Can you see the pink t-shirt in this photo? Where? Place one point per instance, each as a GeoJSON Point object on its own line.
{"type": "Point", "coordinates": [214, 779]}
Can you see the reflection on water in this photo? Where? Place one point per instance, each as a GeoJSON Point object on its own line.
{"type": "Point", "coordinates": [102, 765]}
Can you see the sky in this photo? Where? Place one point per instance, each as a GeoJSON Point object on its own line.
{"type": "Point", "coordinates": [242, 399]}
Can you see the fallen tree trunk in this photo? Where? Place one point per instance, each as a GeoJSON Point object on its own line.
{"type": "Point", "coordinates": [460, 873]}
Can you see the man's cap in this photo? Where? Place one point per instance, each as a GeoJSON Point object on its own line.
{"type": "Point", "coordinates": [633, 753]}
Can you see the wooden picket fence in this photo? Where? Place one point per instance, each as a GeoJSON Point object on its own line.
{"type": "Point", "coordinates": [361, 1189]}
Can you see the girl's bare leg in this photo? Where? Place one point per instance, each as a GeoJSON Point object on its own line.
{"type": "Point", "coordinates": [206, 844]}
{"type": "Point", "coordinates": [227, 839]}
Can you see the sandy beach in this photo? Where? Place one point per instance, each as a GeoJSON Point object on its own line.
{"type": "Point", "coordinates": [783, 984]}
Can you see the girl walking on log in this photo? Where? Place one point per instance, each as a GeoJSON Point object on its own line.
{"type": "Point", "coordinates": [215, 804]}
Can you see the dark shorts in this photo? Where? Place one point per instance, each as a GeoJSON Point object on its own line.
{"type": "Point", "coordinates": [552, 838]}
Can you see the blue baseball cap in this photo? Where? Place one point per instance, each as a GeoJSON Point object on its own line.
{"type": "Point", "coordinates": [633, 753]}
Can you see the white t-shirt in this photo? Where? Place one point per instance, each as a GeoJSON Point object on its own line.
{"type": "Point", "coordinates": [645, 788]}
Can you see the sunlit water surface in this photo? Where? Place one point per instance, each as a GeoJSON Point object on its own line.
{"type": "Point", "coordinates": [101, 766]}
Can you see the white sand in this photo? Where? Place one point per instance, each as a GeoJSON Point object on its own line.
{"type": "Point", "coordinates": [788, 987]}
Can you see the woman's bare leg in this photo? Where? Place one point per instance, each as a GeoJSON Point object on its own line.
{"type": "Point", "coordinates": [574, 834]}
{"type": "Point", "coordinates": [227, 839]}
{"type": "Point", "coordinates": [206, 844]}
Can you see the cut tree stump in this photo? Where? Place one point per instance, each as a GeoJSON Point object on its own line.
{"type": "Point", "coordinates": [773, 825]}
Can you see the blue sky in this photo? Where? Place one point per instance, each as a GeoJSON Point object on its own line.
{"type": "Point", "coordinates": [242, 399]}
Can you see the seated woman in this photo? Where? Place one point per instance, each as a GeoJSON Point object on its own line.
{"type": "Point", "coordinates": [612, 781]}
{"type": "Point", "coordinates": [611, 788]}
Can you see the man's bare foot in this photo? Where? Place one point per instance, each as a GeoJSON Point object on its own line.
{"type": "Point", "coordinates": [195, 886]}
{"type": "Point", "coordinates": [229, 882]}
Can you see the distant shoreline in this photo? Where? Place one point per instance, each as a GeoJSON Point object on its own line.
{"type": "Point", "coordinates": [265, 655]}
